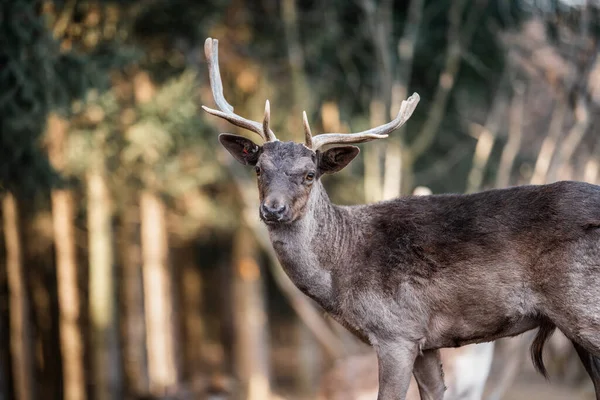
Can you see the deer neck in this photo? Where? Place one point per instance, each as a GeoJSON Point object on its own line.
{"type": "Point", "coordinates": [311, 247]}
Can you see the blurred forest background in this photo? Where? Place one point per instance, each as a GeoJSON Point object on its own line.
{"type": "Point", "coordinates": [134, 265]}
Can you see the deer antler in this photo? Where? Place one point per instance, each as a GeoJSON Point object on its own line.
{"type": "Point", "coordinates": [406, 109]}
{"type": "Point", "coordinates": [211, 50]}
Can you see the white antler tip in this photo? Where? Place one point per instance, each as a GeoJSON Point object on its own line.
{"type": "Point", "coordinates": [305, 119]}
{"type": "Point", "coordinates": [212, 111]}
{"type": "Point", "coordinates": [414, 97]}
{"type": "Point", "coordinates": [208, 46]}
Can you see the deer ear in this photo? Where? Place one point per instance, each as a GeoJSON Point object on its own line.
{"type": "Point", "coordinates": [242, 149]}
{"type": "Point", "coordinates": [336, 158]}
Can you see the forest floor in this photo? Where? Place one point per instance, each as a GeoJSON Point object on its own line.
{"type": "Point", "coordinates": [546, 391]}
{"type": "Point", "coordinates": [532, 386]}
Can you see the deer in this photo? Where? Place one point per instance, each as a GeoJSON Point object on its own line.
{"type": "Point", "coordinates": [415, 274]}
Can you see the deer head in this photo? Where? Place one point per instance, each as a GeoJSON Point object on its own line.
{"type": "Point", "coordinates": [287, 171]}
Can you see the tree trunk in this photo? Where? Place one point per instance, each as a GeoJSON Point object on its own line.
{"type": "Point", "coordinates": [35, 224]}
{"type": "Point", "coordinates": [515, 135]}
{"type": "Point", "coordinates": [548, 150]}
{"type": "Point", "coordinates": [6, 383]}
{"type": "Point", "coordinates": [399, 175]}
{"type": "Point", "coordinates": [158, 296]}
{"type": "Point", "coordinates": [310, 360]}
{"type": "Point", "coordinates": [487, 138]}
{"type": "Point", "coordinates": [373, 184]}
{"type": "Point", "coordinates": [20, 323]}
{"type": "Point", "coordinates": [68, 294]}
{"type": "Point", "coordinates": [572, 140]}
{"type": "Point", "coordinates": [300, 87]}
{"type": "Point", "coordinates": [106, 366]}
{"type": "Point", "coordinates": [251, 337]}
{"type": "Point", "coordinates": [192, 304]}
{"type": "Point", "coordinates": [135, 357]}
{"type": "Point", "coordinates": [6, 391]}
{"type": "Point", "coordinates": [66, 270]}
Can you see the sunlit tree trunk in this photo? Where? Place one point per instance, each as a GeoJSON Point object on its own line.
{"type": "Point", "coordinates": [591, 172]}
{"type": "Point", "coordinates": [549, 144]}
{"type": "Point", "coordinates": [6, 383]}
{"type": "Point", "coordinates": [158, 295]}
{"type": "Point", "coordinates": [251, 341]}
{"type": "Point", "coordinates": [487, 138]}
{"type": "Point", "coordinates": [20, 324]}
{"type": "Point", "coordinates": [515, 134]}
{"type": "Point", "coordinates": [66, 270]}
{"type": "Point", "coordinates": [135, 358]}
{"type": "Point", "coordinates": [573, 138]}
{"type": "Point", "coordinates": [106, 367]}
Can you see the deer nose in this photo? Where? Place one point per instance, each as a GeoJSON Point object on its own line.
{"type": "Point", "coordinates": [273, 210]}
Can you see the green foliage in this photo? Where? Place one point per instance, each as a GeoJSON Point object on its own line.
{"type": "Point", "coordinates": [28, 82]}
{"type": "Point", "coordinates": [167, 128]}
{"type": "Point", "coordinates": [162, 149]}
{"type": "Point", "coordinates": [37, 77]}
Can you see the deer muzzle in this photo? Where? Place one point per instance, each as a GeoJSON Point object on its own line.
{"type": "Point", "coordinates": [275, 210]}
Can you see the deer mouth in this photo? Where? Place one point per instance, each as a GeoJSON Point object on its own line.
{"type": "Point", "coordinates": [275, 220]}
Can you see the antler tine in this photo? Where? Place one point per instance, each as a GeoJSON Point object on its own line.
{"type": "Point", "coordinates": [211, 51]}
{"type": "Point", "coordinates": [266, 121]}
{"type": "Point", "coordinates": [406, 110]}
{"type": "Point", "coordinates": [307, 133]}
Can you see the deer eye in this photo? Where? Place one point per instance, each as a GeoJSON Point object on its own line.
{"type": "Point", "coordinates": [310, 176]}
{"type": "Point", "coordinates": [257, 170]}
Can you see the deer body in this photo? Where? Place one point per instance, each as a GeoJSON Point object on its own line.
{"type": "Point", "coordinates": [415, 274]}
{"type": "Point", "coordinates": [449, 270]}
{"type": "Point", "coordinates": [445, 270]}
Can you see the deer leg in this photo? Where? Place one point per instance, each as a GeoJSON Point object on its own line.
{"type": "Point", "coordinates": [429, 375]}
{"type": "Point", "coordinates": [396, 360]}
{"type": "Point", "coordinates": [592, 366]}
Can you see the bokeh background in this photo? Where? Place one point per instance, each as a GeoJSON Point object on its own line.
{"type": "Point", "coordinates": [134, 265]}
